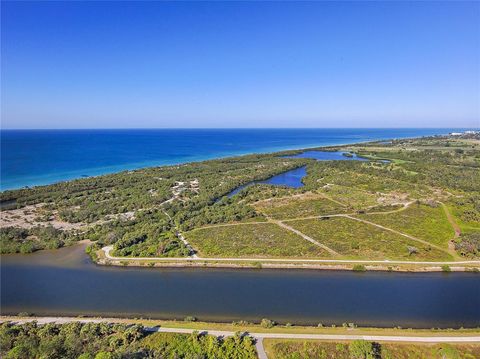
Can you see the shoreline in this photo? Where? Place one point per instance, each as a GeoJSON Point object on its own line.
{"type": "Point", "coordinates": [334, 265]}
{"type": "Point", "coordinates": [142, 166]}
{"type": "Point", "coordinates": [135, 166]}
{"type": "Point", "coordinates": [257, 330]}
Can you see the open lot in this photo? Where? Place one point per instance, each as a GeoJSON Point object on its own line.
{"type": "Point", "coordinates": [261, 240]}
{"type": "Point", "coordinates": [355, 239]}
{"type": "Point", "coordinates": [305, 205]}
{"type": "Point", "coordinates": [424, 222]}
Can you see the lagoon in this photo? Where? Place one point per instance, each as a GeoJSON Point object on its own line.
{"type": "Point", "coordinates": [293, 178]}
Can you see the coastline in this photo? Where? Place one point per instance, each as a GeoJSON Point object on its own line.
{"type": "Point", "coordinates": [102, 257]}
{"type": "Point", "coordinates": [92, 172]}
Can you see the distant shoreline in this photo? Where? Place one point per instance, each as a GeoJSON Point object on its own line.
{"type": "Point", "coordinates": [200, 145]}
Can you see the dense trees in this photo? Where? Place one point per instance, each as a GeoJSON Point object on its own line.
{"type": "Point", "coordinates": [21, 240]}
{"type": "Point", "coordinates": [114, 341]}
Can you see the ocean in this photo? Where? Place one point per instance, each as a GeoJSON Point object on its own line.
{"type": "Point", "coordinates": [39, 157]}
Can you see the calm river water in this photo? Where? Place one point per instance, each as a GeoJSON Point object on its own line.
{"type": "Point", "coordinates": [66, 282]}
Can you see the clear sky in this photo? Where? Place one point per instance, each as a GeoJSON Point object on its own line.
{"type": "Point", "coordinates": [240, 64]}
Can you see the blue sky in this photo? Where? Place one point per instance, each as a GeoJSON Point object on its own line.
{"type": "Point", "coordinates": [240, 64]}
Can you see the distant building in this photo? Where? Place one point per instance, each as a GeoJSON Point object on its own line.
{"type": "Point", "coordinates": [456, 133]}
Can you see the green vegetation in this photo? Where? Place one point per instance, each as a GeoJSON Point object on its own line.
{"type": "Point", "coordinates": [22, 240]}
{"type": "Point", "coordinates": [252, 240]}
{"type": "Point", "coordinates": [360, 349]}
{"type": "Point", "coordinates": [466, 209]}
{"type": "Point", "coordinates": [118, 341]}
{"type": "Point", "coordinates": [355, 239]}
{"type": "Point", "coordinates": [428, 223]}
{"type": "Point", "coordinates": [140, 213]}
{"type": "Point", "coordinates": [468, 245]}
{"type": "Point", "coordinates": [359, 268]}
{"type": "Point", "coordinates": [306, 205]}
{"type": "Point", "coordinates": [267, 323]}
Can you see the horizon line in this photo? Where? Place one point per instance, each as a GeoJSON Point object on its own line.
{"type": "Point", "coordinates": [235, 128]}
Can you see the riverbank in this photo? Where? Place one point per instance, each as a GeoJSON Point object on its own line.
{"type": "Point", "coordinates": [104, 257]}
{"type": "Point", "coordinates": [269, 340]}
{"type": "Point", "coordinates": [345, 332]}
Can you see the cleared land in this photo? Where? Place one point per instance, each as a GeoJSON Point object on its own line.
{"type": "Point", "coordinates": [305, 205]}
{"type": "Point", "coordinates": [355, 239]}
{"type": "Point", "coordinates": [260, 240]}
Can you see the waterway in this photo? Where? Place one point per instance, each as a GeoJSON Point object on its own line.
{"type": "Point", "coordinates": [293, 178]}
{"type": "Point", "coordinates": [66, 282]}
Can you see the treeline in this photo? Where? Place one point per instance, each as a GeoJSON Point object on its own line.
{"type": "Point", "coordinates": [148, 234]}
{"type": "Point", "coordinates": [114, 341]}
{"type": "Point", "coordinates": [22, 240]}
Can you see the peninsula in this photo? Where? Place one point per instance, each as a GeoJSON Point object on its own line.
{"type": "Point", "coordinates": [407, 205]}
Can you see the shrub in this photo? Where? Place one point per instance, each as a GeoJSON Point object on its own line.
{"type": "Point", "coordinates": [361, 349]}
{"type": "Point", "coordinates": [359, 268]}
{"type": "Point", "coordinates": [267, 323]}
{"type": "Point", "coordinates": [190, 319]}
{"type": "Point", "coordinates": [446, 268]}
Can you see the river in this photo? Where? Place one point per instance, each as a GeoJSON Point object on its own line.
{"type": "Point", "coordinates": [66, 282]}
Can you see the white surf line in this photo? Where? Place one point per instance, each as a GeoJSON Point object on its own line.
{"type": "Point", "coordinates": [107, 250]}
{"type": "Point", "coordinates": [260, 335]}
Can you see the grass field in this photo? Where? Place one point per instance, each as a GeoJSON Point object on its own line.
{"type": "Point", "coordinates": [252, 240]}
{"type": "Point", "coordinates": [305, 205]}
{"type": "Point", "coordinates": [352, 197]}
{"type": "Point", "coordinates": [301, 349]}
{"type": "Point", "coordinates": [354, 239]}
{"type": "Point", "coordinates": [421, 221]}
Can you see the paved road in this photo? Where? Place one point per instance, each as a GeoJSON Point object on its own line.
{"type": "Point", "coordinates": [107, 250]}
{"type": "Point", "coordinates": [260, 336]}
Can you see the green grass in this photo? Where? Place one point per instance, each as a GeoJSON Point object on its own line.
{"type": "Point", "coordinates": [358, 240]}
{"type": "Point", "coordinates": [303, 349]}
{"type": "Point", "coordinates": [420, 221]}
{"type": "Point", "coordinates": [466, 212]}
{"type": "Point", "coordinates": [263, 240]}
{"type": "Point", "coordinates": [303, 206]}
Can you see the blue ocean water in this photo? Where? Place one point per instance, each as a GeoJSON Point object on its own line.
{"type": "Point", "coordinates": [38, 157]}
